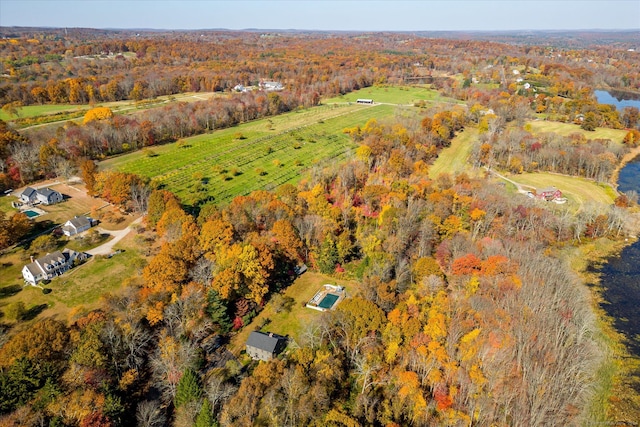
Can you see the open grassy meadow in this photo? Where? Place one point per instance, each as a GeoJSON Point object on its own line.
{"type": "Point", "coordinates": [406, 95]}
{"type": "Point", "coordinates": [577, 190]}
{"type": "Point", "coordinates": [566, 129]}
{"type": "Point", "coordinates": [291, 322]}
{"type": "Point", "coordinates": [253, 156]}
{"type": "Point", "coordinates": [453, 159]}
{"type": "Point", "coordinates": [50, 113]}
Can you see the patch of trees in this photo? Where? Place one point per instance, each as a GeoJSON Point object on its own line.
{"type": "Point", "coordinates": [519, 151]}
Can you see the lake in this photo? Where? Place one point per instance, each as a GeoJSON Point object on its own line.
{"type": "Point", "coordinates": [620, 100]}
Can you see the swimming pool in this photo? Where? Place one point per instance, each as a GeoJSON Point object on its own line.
{"type": "Point", "coordinates": [328, 301]}
{"type": "Point", "coordinates": [31, 214]}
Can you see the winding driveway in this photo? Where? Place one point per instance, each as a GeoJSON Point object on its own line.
{"type": "Point", "coordinates": [107, 248]}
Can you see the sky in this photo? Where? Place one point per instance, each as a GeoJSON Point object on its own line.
{"type": "Point", "coordinates": [332, 15]}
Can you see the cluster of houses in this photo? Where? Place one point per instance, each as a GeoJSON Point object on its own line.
{"type": "Point", "coordinates": [267, 86]}
{"type": "Point", "coordinates": [56, 263]}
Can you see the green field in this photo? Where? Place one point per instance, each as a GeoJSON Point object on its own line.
{"type": "Point", "coordinates": [566, 129]}
{"type": "Point", "coordinates": [406, 95]}
{"type": "Point", "coordinates": [31, 111]}
{"type": "Point", "coordinates": [41, 110]}
{"type": "Point", "coordinates": [578, 191]}
{"type": "Point", "coordinates": [453, 159]}
{"type": "Point", "coordinates": [274, 151]}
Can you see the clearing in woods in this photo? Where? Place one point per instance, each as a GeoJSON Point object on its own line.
{"type": "Point", "coordinates": [453, 159]}
{"type": "Point", "coordinates": [253, 156]}
{"type": "Point", "coordinates": [577, 190]}
{"type": "Point", "coordinates": [566, 129]}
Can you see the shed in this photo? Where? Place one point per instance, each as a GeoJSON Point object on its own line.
{"type": "Point", "coordinates": [265, 346]}
{"type": "Point", "coordinates": [77, 225]}
{"type": "Point", "coordinates": [364, 101]}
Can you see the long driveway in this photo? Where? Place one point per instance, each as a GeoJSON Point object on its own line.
{"type": "Point", "coordinates": [107, 248]}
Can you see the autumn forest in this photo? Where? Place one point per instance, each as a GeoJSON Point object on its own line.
{"type": "Point", "coordinates": [464, 304]}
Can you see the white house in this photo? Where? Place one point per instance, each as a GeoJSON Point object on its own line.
{"type": "Point", "coordinates": [269, 86]}
{"type": "Point", "coordinates": [77, 225]}
{"type": "Point", "coordinates": [28, 195]}
{"type": "Point", "coordinates": [51, 265]}
{"type": "Point", "coordinates": [48, 196]}
{"type": "Point", "coordinates": [45, 196]}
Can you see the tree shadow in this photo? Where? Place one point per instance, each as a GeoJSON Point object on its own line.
{"type": "Point", "coordinates": [33, 312]}
{"type": "Point", "coordinates": [9, 291]}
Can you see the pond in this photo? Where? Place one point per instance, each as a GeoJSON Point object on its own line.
{"type": "Point", "coordinates": [620, 276]}
{"type": "Point", "coordinates": [619, 99]}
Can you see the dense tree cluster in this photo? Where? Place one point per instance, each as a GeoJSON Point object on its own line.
{"type": "Point", "coordinates": [461, 319]}
{"type": "Point", "coordinates": [465, 316]}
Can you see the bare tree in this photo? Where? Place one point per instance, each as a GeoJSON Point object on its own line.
{"type": "Point", "coordinates": [150, 414]}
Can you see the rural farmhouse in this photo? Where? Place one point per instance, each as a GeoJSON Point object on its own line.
{"type": "Point", "coordinates": [265, 346]}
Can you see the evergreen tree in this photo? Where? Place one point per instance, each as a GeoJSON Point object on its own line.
{"type": "Point", "coordinates": [328, 256]}
{"type": "Point", "coordinates": [189, 388]}
{"type": "Point", "coordinates": [218, 311]}
{"type": "Point", "coordinates": [205, 417]}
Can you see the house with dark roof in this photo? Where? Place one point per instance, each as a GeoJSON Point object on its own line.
{"type": "Point", "coordinates": [51, 265]}
{"type": "Point", "coordinates": [77, 225]}
{"type": "Point", "coordinates": [265, 346]}
{"type": "Point", "coordinates": [48, 196]}
{"type": "Point", "coordinates": [45, 196]}
{"type": "Point", "coordinates": [28, 195]}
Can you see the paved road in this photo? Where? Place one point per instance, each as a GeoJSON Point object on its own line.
{"type": "Point", "coordinates": [107, 248]}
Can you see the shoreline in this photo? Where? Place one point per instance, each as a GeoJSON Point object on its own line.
{"type": "Point", "coordinates": [627, 158]}
{"type": "Point", "coordinates": [617, 394]}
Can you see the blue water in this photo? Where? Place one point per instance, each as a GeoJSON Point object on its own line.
{"type": "Point", "coordinates": [605, 97]}
{"type": "Point", "coordinates": [620, 276]}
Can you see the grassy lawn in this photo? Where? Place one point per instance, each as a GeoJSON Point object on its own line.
{"type": "Point", "coordinates": [453, 159]}
{"type": "Point", "coordinates": [270, 152]}
{"type": "Point", "coordinates": [125, 106]}
{"type": "Point", "coordinates": [81, 286]}
{"type": "Point", "coordinates": [577, 190]}
{"type": "Point", "coordinates": [393, 95]}
{"type": "Point", "coordinates": [41, 110]}
{"type": "Point", "coordinates": [566, 129]}
{"type": "Point", "coordinates": [291, 322]}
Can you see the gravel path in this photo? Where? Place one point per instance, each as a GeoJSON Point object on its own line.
{"type": "Point", "coordinates": [107, 248]}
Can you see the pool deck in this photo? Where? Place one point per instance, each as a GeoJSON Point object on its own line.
{"type": "Point", "coordinates": [337, 291]}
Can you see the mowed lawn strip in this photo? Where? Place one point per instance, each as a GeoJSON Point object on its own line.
{"type": "Point", "coordinates": [393, 95]}
{"type": "Point", "coordinates": [566, 129]}
{"type": "Point", "coordinates": [454, 158]}
{"type": "Point", "coordinates": [271, 152]}
{"type": "Point", "coordinates": [291, 323]}
{"type": "Point", "coordinates": [577, 190]}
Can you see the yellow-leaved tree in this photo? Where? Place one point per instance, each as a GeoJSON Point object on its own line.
{"type": "Point", "coordinates": [98, 113]}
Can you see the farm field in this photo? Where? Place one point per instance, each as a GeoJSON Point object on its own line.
{"type": "Point", "coordinates": [566, 129]}
{"type": "Point", "coordinates": [577, 190]}
{"type": "Point", "coordinates": [291, 322]}
{"type": "Point", "coordinates": [253, 156]}
{"type": "Point", "coordinates": [453, 159]}
{"type": "Point", "coordinates": [407, 95]}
